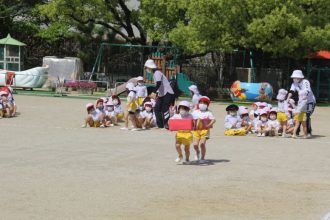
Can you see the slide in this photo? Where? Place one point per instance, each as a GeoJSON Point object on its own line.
{"type": "Point", "coordinates": [121, 88]}
{"type": "Point", "coordinates": [184, 83]}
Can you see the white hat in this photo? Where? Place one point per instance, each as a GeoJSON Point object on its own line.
{"type": "Point", "coordinates": [281, 94]}
{"type": "Point", "coordinates": [139, 78]}
{"type": "Point", "coordinates": [263, 112]}
{"type": "Point", "coordinates": [267, 109]}
{"type": "Point", "coordinates": [150, 64]}
{"type": "Point", "coordinates": [89, 105]}
{"type": "Point", "coordinates": [263, 105]}
{"type": "Point", "coordinates": [194, 89]}
{"type": "Point", "coordinates": [148, 103]}
{"type": "Point", "coordinates": [130, 86]}
{"type": "Point", "coordinates": [243, 111]}
{"type": "Point", "coordinates": [109, 103]}
{"type": "Point", "coordinates": [297, 74]}
{"type": "Point", "coordinates": [269, 106]}
{"type": "Point", "coordinates": [185, 104]}
{"type": "Point", "coordinates": [252, 112]}
{"type": "Point", "coordinates": [273, 110]}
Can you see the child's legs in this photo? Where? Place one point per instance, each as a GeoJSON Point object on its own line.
{"type": "Point", "coordinates": [89, 121]}
{"type": "Point", "coordinates": [187, 151]}
{"type": "Point", "coordinates": [203, 148]}
{"type": "Point", "coordinates": [196, 144]}
{"type": "Point", "coordinates": [296, 127]}
{"type": "Point", "coordinates": [304, 125]}
{"type": "Point", "coordinates": [178, 149]}
{"type": "Point", "coordinates": [132, 118]}
{"type": "Point", "coordinates": [126, 119]}
{"type": "Point", "coordinates": [283, 125]}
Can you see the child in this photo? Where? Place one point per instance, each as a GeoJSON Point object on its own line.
{"type": "Point", "coordinates": [246, 121]}
{"type": "Point", "coordinates": [141, 91]}
{"type": "Point", "coordinates": [300, 115]}
{"type": "Point", "coordinates": [147, 116]}
{"type": "Point", "coordinates": [110, 114]}
{"type": "Point", "coordinates": [282, 110]}
{"type": "Point", "coordinates": [119, 112]}
{"type": "Point", "coordinates": [195, 95]}
{"type": "Point", "coordinates": [11, 100]}
{"type": "Point", "coordinates": [131, 107]}
{"type": "Point", "coordinates": [183, 137]}
{"type": "Point", "coordinates": [93, 117]}
{"type": "Point", "coordinates": [6, 108]}
{"type": "Point", "coordinates": [273, 123]}
{"type": "Point", "coordinates": [204, 121]}
{"type": "Point", "coordinates": [263, 123]}
{"type": "Point", "coordinates": [233, 122]}
{"type": "Point", "coordinates": [290, 124]}
{"type": "Point", "coordinates": [101, 112]}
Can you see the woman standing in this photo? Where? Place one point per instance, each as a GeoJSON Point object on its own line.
{"type": "Point", "coordinates": [165, 94]}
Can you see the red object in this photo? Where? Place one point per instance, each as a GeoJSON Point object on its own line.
{"type": "Point", "coordinates": [322, 54]}
{"type": "Point", "coordinates": [181, 124]}
{"type": "Point", "coordinates": [10, 78]}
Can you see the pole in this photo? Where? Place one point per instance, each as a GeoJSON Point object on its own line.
{"type": "Point", "coordinates": [252, 68]}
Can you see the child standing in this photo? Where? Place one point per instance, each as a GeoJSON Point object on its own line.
{"type": "Point", "coordinates": [195, 95]}
{"type": "Point", "coordinates": [204, 120]}
{"type": "Point", "coordinates": [131, 107]}
{"type": "Point", "coordinates": [300, 113]}
{"type": "Point", "coordinates": [282, 110]}
{"type": "Point", "coordinates": [141, 91]}
{"type": "Point", "coordinates": [183, 137]}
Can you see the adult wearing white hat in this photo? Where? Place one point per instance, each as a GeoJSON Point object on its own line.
{"type": "Point", "coordinates": [164, 92]}
{"type": "Point", "coordinates": [299, 84]}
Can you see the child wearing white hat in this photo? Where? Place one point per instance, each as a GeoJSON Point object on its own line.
{"type": "Point", "coordinates": [273, 123]}
{"type": "Point", "coordinates": [282, 110]}
{"type": "Point", "coordinates": [110, 114]}
{"type": "Point", "coordinates": [147, 116]}
{"type": "Point", "coordinates": [300, 113]}
{"type": "Point", "coordinates": [131, 107]}
{"type": "Point", "coordinates": [183, 137]}
{"type": "Point", "coordinates": [195, 95]}
{"type": "Point", "coordinates": [263, 123]}
{"type": "Point", "coordinates": [246, 120]}
{"type": "Point", "coordinates": [204, 121]}
{"type": "Point", "coordinates": [141, 91]}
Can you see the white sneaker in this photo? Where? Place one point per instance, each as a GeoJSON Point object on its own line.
{"type": "Point", "coordinates": [102, 126]}
{"type": "Point", "coordinates": [178, 160]}
{"type": "Point", "coordinates": [124, 128]}
{"type": "Point", "coordinates": [259, 135]}
{"type": "Point", "coordinates": [135, 129]}
{"type": "Point", "coordinates": [144, 128]}
{"type": "Point", "coordinates": [111, 125]}
{"type": "Point", "coordinates": [309, 135]}
{"type": "Point", "coordinates": [294, 136]}
{"type": "Point", "coordinates": [84, 126]}
{"type": "Point", "coordinates": [263, 135]}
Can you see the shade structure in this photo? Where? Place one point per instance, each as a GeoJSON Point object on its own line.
{"type": "Point", "coordinates": [322, 54]}
{"type": "Point", "coordinates": [11, 41]}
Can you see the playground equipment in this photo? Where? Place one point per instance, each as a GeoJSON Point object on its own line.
{"type": "Point", "coordinates": [132, 59]}
{"type": "Point", "coordinates": [31, 78]}
{"type": "Point", "coordinates": [251, 92]}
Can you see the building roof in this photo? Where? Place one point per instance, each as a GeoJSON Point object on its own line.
{"type": "Point", "coordinates": [11, 41]}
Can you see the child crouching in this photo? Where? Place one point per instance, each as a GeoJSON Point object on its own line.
{"type": "Point", "coordinates": [233, 122]}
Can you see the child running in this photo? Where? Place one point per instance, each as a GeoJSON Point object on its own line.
{"type": "Point", "coordinates": [183, 137]}
{"type": "Point", "coordinates": [204, 121]}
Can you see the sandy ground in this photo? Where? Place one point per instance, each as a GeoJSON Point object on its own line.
{"type": "Point", "coordinates": [50, 168]}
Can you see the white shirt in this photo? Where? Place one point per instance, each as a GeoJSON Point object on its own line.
{"type": "Point", "coordinates": [262, 123]}
{"type": "Point", "coordinates": [131, 96]}
{"type": "Point", "coordinates": [141, 91]}
{"type": "Point", "coordinates": [145, 114]}
{"type": "Point", "coordinates": [110, 114]}
{"type": "Point", "coordinates": [273, 123]}
{"type": "Point", "coordinates": [195, 99]}
{"type": "Point", "coordinates": [179, 116]}
{"type": "Point", "coordinates": [304, 85]}
{"type": "Point", "coordinates": [230, 121]}
{"type": "Point", "coordinates": [165, 86]}
{"type": "Point", "coordinates": [198, 114]}
{"type": "Point", "coordinates": [95, 115]}
{"type": "Point", "coordinates": [301, 107]}
{"type": "Point", "coordinates": [118, 109]}
{"type": "Point", "coordinates": [282, 106]}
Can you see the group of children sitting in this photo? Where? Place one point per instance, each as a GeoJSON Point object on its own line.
{"type": "Point", "coordinates": [266, 120]}
{"type": "Point", "coordinates": [108, 111]}
{"type": "Point", "coordinates": [7, 103]}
